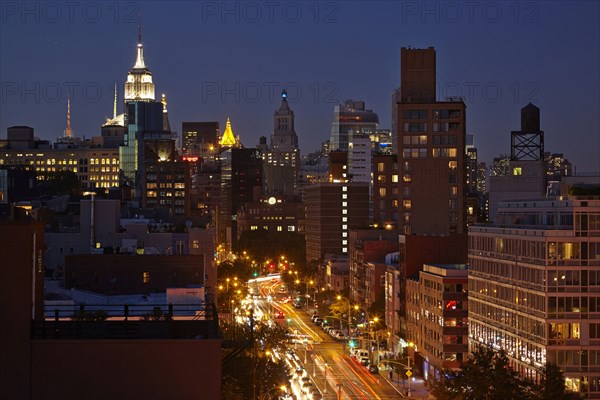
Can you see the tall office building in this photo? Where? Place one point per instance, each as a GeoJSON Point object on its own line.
{"type": "Point", "coordinates": [142, 114]}
{"type": "Point", "coordinates": [384, 192]}
{"type": "Point", "coordinates": [143, 119]}
{"type": "Point", "coordinates": [431, 151]}
{"type": "Point", "coordinates": [350, 120]}
{"type": "Point", "coordinates": [282, 158]}
{"type": "Point", "coordinates": [201, 139]}
{"type": "Point", "coordinates": [241, 183]}
{"type": "Point", "coordinates": [139, 85]}
{"type": "Point", "coordinates": [432, 174]}
{"type": "Point", "coordinates": [534, 287]}
{"type": "Point", "coordinates": [332, 210]}
{"type": "Point", "coordinates": [284, 136]}
{"type": "Point", "coordinates": [359, 159]}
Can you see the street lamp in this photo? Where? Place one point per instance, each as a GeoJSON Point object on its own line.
{"type": "Point", "coordinates": [306, 296]}
{"type": "Point", "coordinates": [340, 297]}
{"type": "Point", "coordinates": [408, 369]}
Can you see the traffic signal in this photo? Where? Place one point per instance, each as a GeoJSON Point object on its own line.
{"type": "Point", "coordinates": [351, 344]}
{"type": "Point", "coordinates": [255, 274]}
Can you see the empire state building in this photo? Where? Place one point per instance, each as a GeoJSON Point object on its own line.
{"type": "Point", "coordinates": [139, 85]}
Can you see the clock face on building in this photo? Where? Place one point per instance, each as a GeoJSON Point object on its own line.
{"type": "Point", "coordinates": [272, 200]}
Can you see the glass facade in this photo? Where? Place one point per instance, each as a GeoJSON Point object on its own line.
{"type": "Point", "coordinates": [534, 288]}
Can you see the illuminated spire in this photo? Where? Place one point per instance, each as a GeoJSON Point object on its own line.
{"type": "Point", "coordinates": [115, 103]}
{"type": "Point", "coordinates": [228, 139]}
{"type": "Point", "coordinates": [139, 60]}
{"type": "Point", "coordinates": [166, 123]}
{"type": "Point", "coordinates": [69, 131]}
{"type": "Point", "coordinates": [139, 85]}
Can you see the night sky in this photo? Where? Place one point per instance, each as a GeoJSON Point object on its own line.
{"type": "Point", "coordinates": [214, 62]}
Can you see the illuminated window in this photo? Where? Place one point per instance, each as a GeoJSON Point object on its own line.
{"type": "Point", "coordinates": [344, 234]}
{"type": "Point", "coordinates": [470, 210]}
{"type": "Point", "coordinates": [382, 192]}
{"type": "Point", "coordinates": [453, 190]}
{"type": "Point", "coordinates": [344, 242]}
{"type": "Point", "coordinates": [344, 249]}
{"type": "Point", "coordinates": [407, 204]}
{"type": "Point", "coordinates": [344, 196]}
{"type": "Point", "coordinates": [279, 228]}
{"type": "Point", "coordinates": [344, 188]}
{"type": "Point", "coordinates": [344, 204]}
{"type": "Point", "coordinates": [344, 211]}
{"type": "Point", "coordinates": [344, 219]}
{"type": "Point", "coordinates": [195, 244]}
{"type": "Point", "coordinates": [452, 164]}
{"type": "Point", "coordinates": [380, 167]}
{"type": "Point", "coordinates": [146, 277]}
{"type": "Point", "coordinates": [395, 178]}
{"type": "Point", "coordinates": [517, 171]}
{"type": "Point", "coordinates": [344, 227]}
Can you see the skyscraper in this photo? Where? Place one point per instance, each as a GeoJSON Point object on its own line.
{"type": "Point", "coordinates": [145, 119]}
{"type": "Point", "coordinates": [139, 85]}
{"type": "Point", "coordinates": [350, 120]}
{"type": "Point", "coordinates": [332, 210]}
{"type": "Point", "coordinates": [281, 160]}
{"type": "Point", "coordinates": [431, 151]}
{"type": "Point", "coordinates": [200, 139]}
{"type": "Point", "coordinates": [284, 136]}
{"type": "Point", "coordinates": [142, 117]}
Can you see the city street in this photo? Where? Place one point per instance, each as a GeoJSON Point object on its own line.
{"type": "Point", "coordinates": [335, 373]}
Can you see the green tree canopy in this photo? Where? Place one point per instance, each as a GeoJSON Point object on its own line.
{"type": "Point", "coordinates": [487, 375]}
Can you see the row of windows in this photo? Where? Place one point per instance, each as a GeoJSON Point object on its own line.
{"type": "Point", "coordinates": [165, 185]}
{"type": "Point", "coordinates": [104, 178]}
{"type": "Point", "coordinates": [279, 228]}
{"type": "Point", "coordinates": [382, 178]}
{"type": "Point", "coordinates": [153, 193]}
{"type": "Point", "coordinates": [436, 114]}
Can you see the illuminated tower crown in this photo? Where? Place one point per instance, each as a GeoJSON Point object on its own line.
{"type": "Point", "coordinates": [228, 139]}
{"type": "Point", "coordinates": [139, 86]}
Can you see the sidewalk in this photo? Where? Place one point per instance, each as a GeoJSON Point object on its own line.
{"type": "Point", "coordinates": [417, 385]}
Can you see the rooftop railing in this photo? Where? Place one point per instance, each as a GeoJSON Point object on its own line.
{"type": "Point", "coordinates": [182, 321]}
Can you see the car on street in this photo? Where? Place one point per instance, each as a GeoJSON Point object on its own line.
{"type": "Point", "coordinates": [280, 315]}
{"type": "Point", "coordinates": [373, 369]}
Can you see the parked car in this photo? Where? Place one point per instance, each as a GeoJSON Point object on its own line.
{"type": "Point", "coordinates": [365, 361]}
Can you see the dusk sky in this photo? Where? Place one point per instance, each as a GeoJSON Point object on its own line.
{"type": "Point", "coordinates": [215, 63]}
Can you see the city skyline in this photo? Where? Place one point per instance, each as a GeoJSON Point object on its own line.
{"type": "Point", "coordinates": [256, 53]}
